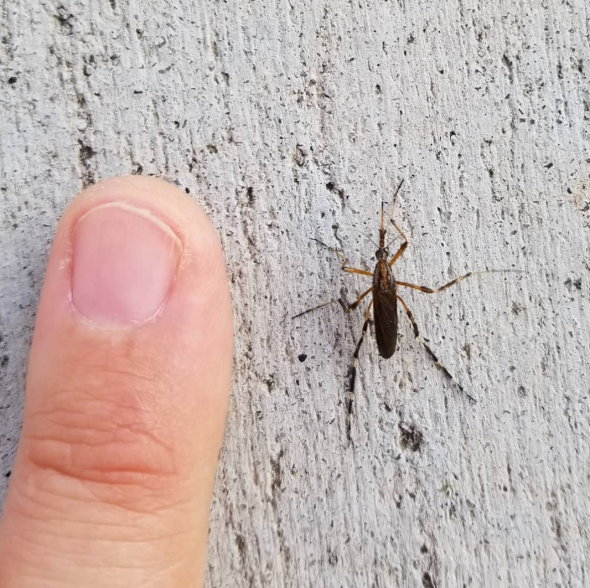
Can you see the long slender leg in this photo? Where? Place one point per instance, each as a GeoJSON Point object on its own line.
{"type": "Point", "coordinates": [314, 308]}
{"type": "Point", "coordinates": [452, 282]}
{"type": "Point", "coordinates": [345, 267]}
{"type": "Point", "coordinates": [348, 308]}
{"type": "Point", "coordinates": [438, 364]}
{"type": "Point", "coordinates": [401, 249]}
{"type": "Point", "coordinates": [353, 373]}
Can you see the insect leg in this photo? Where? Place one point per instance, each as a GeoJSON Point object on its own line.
{"type": "Point", "coordinates": [345, 267]}
{"type": "Point", "coordinates": [353, 373]}
{"type": "Point", "coordinates": [401, 249]}
{"type": "Point", "coordinates": [452, 282]}
{"type": "Point", "coordinates": [348, 308]}
{"type": "Point", "coordinates": [438, 364]}
{"type": "Point", "coordinates": [314, 308]}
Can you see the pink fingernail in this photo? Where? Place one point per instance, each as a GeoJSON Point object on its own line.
{"type": "Point", "coordinates": [124, 264]}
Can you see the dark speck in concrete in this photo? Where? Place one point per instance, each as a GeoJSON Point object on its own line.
{"type": "Point", "coordinates": [427, 581]}
{"type": "Point", "coordinates": [410, 437]}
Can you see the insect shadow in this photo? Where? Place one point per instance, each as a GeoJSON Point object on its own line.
{"type": "Point", "coordinates": [384, 300]}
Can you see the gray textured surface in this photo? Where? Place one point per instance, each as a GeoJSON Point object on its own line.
{"type": "Point", "coordinates": [293, 120]}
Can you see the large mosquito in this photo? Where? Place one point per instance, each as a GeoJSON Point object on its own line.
{"type": "Point", "coordinates": [384, 302]}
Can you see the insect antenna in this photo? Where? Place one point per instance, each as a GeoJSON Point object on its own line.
{"type": "Point", "coordinates": [365, 236]}
{"type": "Point", "coordinates": [395, 197]}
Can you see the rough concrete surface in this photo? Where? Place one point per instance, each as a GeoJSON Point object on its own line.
{"type": "Point", "coordinates": [292, 120]}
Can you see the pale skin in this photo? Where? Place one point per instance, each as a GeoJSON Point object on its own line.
{"type": "Point", "coordinates": [127, 391]}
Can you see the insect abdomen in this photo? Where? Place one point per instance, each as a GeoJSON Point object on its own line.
{"type": "Point", "coordinates": [385, 309]}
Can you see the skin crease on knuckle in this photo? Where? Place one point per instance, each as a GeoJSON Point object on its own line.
{"type": "Point", "coordinates": [110, 435]}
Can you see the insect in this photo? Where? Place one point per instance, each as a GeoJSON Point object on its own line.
{"type": "Point", "coordinates": [384, 301]}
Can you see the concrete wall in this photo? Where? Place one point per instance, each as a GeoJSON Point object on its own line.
{"type": "Point", "coordinates": [292, 120]}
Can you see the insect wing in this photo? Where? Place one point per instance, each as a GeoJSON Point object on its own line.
{"type": "Point", "coordinates": [385, 310]}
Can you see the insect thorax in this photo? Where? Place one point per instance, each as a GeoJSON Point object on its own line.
{"type": "Point", "coordinates": [383, 276]}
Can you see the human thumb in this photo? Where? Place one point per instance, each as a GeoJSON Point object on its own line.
{"type": "Point", "coordinates": [126, 397]}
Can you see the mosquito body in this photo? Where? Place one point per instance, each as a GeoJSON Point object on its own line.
{"type": "Point", "coordinates": [384, 299]}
